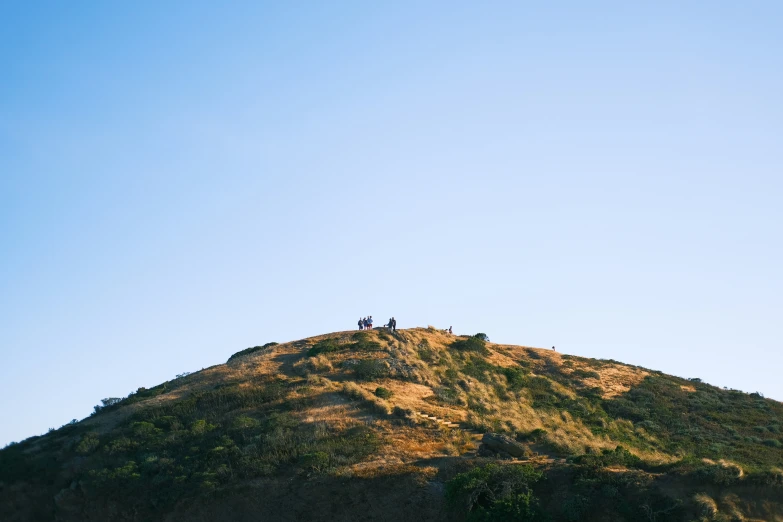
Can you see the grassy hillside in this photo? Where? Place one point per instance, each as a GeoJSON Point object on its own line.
{"type": "Point", "coordinates": [382, 426]}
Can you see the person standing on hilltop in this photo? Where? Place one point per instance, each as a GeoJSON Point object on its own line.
{"type": "Point", "coordinates": [449, 329]}
{"type": "Point", "coordinates": [361, 323]}
{"type": "Point", "coordinates": [369, 322]}
{"type": "Point", "coordinates": [393, 324]}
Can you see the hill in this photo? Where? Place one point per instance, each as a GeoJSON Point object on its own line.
{"type": "Point", "coordinates": [416, 424]}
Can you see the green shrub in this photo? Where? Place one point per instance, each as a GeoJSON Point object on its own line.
{"type": "Point", "coordinates": [324, 346]}
{"type": "Point", "coordinates": [317, 461]}
{"type": "Point", "coordinates": [477, 405]}
{"type": "Point", "coordinates": [87, 444]}
{"type": "Point", "coordinates": [617, 457]}
{"type": "Point", "coordinates": [585, 374]}
{"type": "Point", "coordinates": [383, 393]}
{"type": "Point", "coordinates": [243, 422]}
{"type": "Point", "coordinates": [471, 344]}
{"type": "Point", "coordinates": [773, 443]}
{"type": "Point", "coordinates": [516, 377]}
{"type": "Point", "coordinates": [363, 343]}
{"type": "Point", "coordinates": [495, 493]}
{"type": "Point", "coordinates": [426, 353]}
{"type": "Point", "coordinates": [371, 369]}
{"type": "Point", "coordinates": [106, 403]}
{"type": "Point", "coordinates": [248, 351]}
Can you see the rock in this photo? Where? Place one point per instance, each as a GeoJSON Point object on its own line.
{"type": "Point", "coordinates": [484, 451]}
{"type": "Point", "coordinates": [498, 442]}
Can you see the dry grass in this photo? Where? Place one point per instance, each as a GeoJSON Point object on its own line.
{"type": "Point", "coordinates": [512, 412]}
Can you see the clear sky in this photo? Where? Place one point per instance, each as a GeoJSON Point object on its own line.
{"type": "Point", "coordinates": [182, 180]}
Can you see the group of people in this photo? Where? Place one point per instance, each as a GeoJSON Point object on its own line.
{"type": "Point", "coordinates": [365, 323]}
{"type": "Point", "coordinates": [392, 324]}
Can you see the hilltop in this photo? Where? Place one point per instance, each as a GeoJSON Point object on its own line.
{"type": "Point", "coordinates": [417, 424]}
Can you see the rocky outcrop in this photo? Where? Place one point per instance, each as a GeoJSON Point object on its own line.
{"type": "Point", "coordinates": [499, 443]}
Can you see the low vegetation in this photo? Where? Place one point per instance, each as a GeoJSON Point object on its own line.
{"type": "Point", "coordinates": [604, 441]}
{"type": "Point", "coordinates": [254, 349]}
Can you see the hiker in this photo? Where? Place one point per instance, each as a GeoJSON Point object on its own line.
{"type": "Point", "coordinates": [361, 324]}
{"type": "Point", "coordinates": [369, 322]}
{"type": "Point", "coordinates": [553, 349]}
{"type": "Point", "coordinates": [393, 324]}
{"type": "Point", "coordinates": [365, 324]}
{"type": "Point", "coordinates": [449, 329]}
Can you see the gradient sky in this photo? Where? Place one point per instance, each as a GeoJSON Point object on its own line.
{"type": "Point", "coordinates": [182, 180]}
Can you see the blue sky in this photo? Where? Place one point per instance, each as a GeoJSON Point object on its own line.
{"type": "Point", "coordinates": [180, 180]}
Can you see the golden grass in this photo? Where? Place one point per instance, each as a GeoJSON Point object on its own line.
{"type": "Point", "coordinates": [342, 399]}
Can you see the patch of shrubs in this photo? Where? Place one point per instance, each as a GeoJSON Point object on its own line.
{"type": "Point", "coordinates": [585, 374]}
{"type": "Point", "coordinates": [371, 369]}
{"type": "Point", "coordinates": [324, 346]}
{"type": "Point", "coordinates": [141, 394]}
{"type": "Point", "coordinates": [495, 493]}
{"type": "Point", "coordinates": [477, 367]}
{"type": "Point", "coordinates": [425, 351]}
{"type": "Point", "coordinates": [708, 423]}
{"type": "Point", "coordinates": [617, 457]}
{"type": "Point", "coordinates": [363, 343]}
{"type": "Point", "coordinates": [106, 403]}
{"type": "Point", "coordinates": [383, 393]}
{"type": "Point", "coordinates": [471, 344]}
{"type": "Point", "coordinates": [163, 454]}
{"type": "Point", "coordinates": [248, 351]}
{"type": "Point", "coordinates": [516, 377]}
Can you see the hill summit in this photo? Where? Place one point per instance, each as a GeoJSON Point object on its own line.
{"type": "Point", "coordinates": [415, 424]}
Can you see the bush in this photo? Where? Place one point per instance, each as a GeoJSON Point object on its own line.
{"type": "Point", "coordinates": [619, 457]}
{"type": "Point", "coordinates": [585, 374]}
{"type": "Point", "coordinates": [471, 344]}
{"type": "Point", "coordinates": [317, 461]}
{"type": "Point", "coordinates": [495, 492]}
{"type": "Point", "coordinates": [363, 343]}
{"type": "Point", "coordinates": [516, 377]}
{"type": "Point", "coordinates": [773, 443]}
{"type": "Point", "coordinates": [324, 346]}
{"type": "Point", "coordinates": [383, 393]}
{"type": "Point", "coordinates": [248, 351]}
{"type": "Point", "coordinates": [106, 403]}
{"type": "Point", "coordinates": [426, 353]}
{"type": "Point", "coordinates": [371, 369]}
{"type": "Point", "coordinates": [88, 444]}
